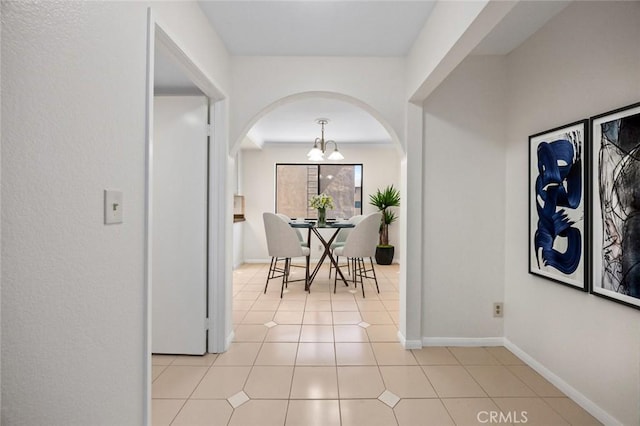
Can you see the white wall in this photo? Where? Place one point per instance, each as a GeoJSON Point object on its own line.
{"type": "Point", "coordinates": [238, 244]}
{"type": "Point", "coordinates": [464, 203]}
{"type": "Point", "coordinates": [235, 170]}
{"type": "Point", "coordinates": [237, 174]}
{"type": "Point", "coordinates": [259, 82]}
{"type": "Point", "coordinates": [73, 109]}
{"type": "Point", "coordinates": [451, 33]}
{"type": "Point", "coordinates": [190, 29]}
{"type": "Point", "coordinates": [0, 219]}
{"type": "Point", "coordinates": [583, 62]}
{"type": "Point", "coordinates": [381, 167]}
{"type": "Point", "coordinates": [445, 25]}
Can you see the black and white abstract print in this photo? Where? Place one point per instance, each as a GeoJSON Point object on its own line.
{"type": "Point", "coordinates": [616, 145]}
{"type": "Point", "coordinates": [619, 164]}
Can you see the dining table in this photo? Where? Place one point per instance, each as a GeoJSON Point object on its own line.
{"type": "Point", "coordinates": [313, 226]}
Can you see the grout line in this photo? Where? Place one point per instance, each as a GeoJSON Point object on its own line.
{"type": "Point", "coordinates": [178, 412]}
{"type": "Point", "coordinates": [163, 370]}
{"type": "Point", "coordinates": [446, 409]}
{"type": "Point", "coordinates": [335, 354]}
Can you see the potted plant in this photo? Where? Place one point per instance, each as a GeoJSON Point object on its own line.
{"type": "Point", "coordinates": [383, 200]}
{"type": "Point", "coordinates": [322, 202]}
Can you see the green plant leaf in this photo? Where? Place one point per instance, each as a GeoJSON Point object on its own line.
{"type": "Point", "coordinates": [389, 197]}
{"type": "Point", "coordinates": [389, 217]}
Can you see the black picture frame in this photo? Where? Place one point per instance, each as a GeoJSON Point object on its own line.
{"type": "Point", "coordinates": [615, 184]}
{"type": "Point", "coordinates": [558, 219]}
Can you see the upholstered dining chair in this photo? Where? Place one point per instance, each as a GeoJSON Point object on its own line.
{"type": "Point", "coordinates": [360, 244]}
{"type": "Point", "coordinates": [303, 243]}
{"type": "Point", "coordinates": [341, 238]}
{"type": "Point", "coordinates": [283, 243]}
{"type": "Point", "coordinates": [288, 219]}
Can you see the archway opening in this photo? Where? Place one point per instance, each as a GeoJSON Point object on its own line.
{"type": "Point", "coordinates": [275, 136]}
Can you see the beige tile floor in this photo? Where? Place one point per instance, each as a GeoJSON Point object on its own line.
{"type": "Point", "coordinates": [334, 359]}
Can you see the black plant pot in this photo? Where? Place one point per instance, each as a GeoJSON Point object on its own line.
{"type": "Point", "coordinates": [384, 255]}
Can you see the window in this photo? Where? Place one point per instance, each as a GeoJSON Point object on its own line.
{"type": "Point", "coordinates": [296, 183]}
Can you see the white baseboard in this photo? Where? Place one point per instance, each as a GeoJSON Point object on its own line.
{"type": "Point", "coordinates": [268, 260]}
{"type": "Point", "coordinates": [409, 344]}
{"type": "Point", "coordinates": [230, 338]}
{"type": "Point", "coordinates": [584, 402]}
{"type": "Point", "coordinates": [462, 341]}
{"type": "Point", "coordinates": [591, 407]}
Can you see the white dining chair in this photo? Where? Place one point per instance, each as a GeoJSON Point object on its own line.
{"type": "Point", "coordinates": [361, 243]}
{"type": "Point", "coordinates": [288, 220]}
{"type": "Point", "coordinates": [341, 238]}
{"type": "Point", "coordinates": [303, 243]}
{"type": "Point", "coordinates": [283, 243]}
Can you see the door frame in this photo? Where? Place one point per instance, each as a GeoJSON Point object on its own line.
{"type": "Point", "coordinates": [219, 203]}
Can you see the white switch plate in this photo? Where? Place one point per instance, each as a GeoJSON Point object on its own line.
{"type": "Point", "coordinates": [112, 206]}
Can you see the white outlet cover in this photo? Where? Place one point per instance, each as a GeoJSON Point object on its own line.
{"type": "Point", "coordinates": [113, 206]}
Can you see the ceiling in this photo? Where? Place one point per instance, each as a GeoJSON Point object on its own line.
{"type": "Point", "coordinates": [296, 122]}
{"type": "Point", "coordinates": [333, 28]}
{"type": "Point", "coordinates": [318, 28]}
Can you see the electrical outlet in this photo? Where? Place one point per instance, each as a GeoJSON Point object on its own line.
{"type": "Point", "coordinates": [498, 310]}
{"type": "Point", "coordinates": [319, 247]}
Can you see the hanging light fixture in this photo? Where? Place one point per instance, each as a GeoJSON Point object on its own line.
{"type": "Point", "coordinates": [320, 145]}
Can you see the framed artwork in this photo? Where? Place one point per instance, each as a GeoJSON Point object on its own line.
{"type": "Point", "coordinates": [615, 205]}
{"type": "Point", "coordinates": [557, 214]}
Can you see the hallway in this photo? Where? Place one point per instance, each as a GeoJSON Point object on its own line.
{"type": "Point", "coordinates": [334, 359]}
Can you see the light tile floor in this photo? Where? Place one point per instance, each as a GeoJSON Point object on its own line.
{"type": "Point", "coordinates": [334, 359]}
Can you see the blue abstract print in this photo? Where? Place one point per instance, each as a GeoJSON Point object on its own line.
{"type": "Point", "coordinates": [558, 187]}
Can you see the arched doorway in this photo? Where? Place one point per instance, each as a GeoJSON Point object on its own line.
{"type": "Point", "coordinates": [288, 102]}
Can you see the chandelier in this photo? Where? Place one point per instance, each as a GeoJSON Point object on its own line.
{"type": "Point", "coordinates": [317, 153]}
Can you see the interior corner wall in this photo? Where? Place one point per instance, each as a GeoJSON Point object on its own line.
{"type": "Point", "coordinates": [381, 167]}
{"type": "Point", "coordinates": [583, 62]}
{"type": "Point", "coordinates": [191, 29]}
{"type": "Point", "coordinates": [464, 202]}
{"type": "Point", "coordinates": [444, 27]}
{"type": "Point", "coordinates": [73, 123]}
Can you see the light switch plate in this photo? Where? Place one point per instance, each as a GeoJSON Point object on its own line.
{"type": "Point", "coordinates": [113, 207]}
